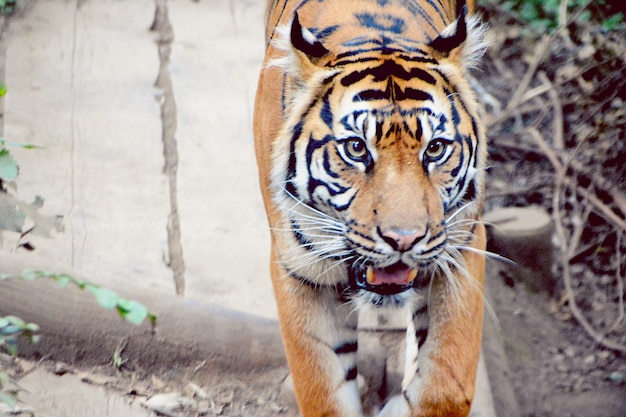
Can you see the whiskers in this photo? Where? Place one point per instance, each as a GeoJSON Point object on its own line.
{"type": "Point", "coordinates": [451, 264]}
{"type": "Point", "coordinates": [315, 242]}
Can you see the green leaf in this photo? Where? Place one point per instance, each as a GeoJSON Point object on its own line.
{"type": "Point", "coordinates": [3, 89]}
{"type": "Point", "coordinates": [8, 399]}
{"type": "Point", "coordinates": [528, 12]}
{"type": "Point", "coordinates": [106, 298]}
{"type": "Point", "coordinates": [132, 311]}
{"type": "Point", "coordinates": [19, 145]}
{"type": "Point", "coordinates": [584, 16]}
{"type": "Point", "coordinates": [8, 167]}
{"type": "Point", "coordinates": [4, 378]}
{"type": "Point", "coordinates": [31, 327]}
{"type": "Point", "coordinates": [63, 279]}
{"type": "Point", "coordinates": [16, 321]}
{"type": "Point", "coordinates": [612, 21]}
{"type": "Point", "coordinates": [30, 275]}
{"type": "Point", "coordinates": [10, 330]}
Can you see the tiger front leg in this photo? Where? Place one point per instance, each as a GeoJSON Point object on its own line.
{"type": "Point", "coordinates": [442, 382]}
{"type": "Point", "coordinates": [320, 339]}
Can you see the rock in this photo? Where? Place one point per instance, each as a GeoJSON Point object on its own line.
{"type": "Point", "coordinates": [524, 235]}
{"type": "Point", "coordinates": [167, 401]}
{"type": "Point", "coordinates": [589, 360]}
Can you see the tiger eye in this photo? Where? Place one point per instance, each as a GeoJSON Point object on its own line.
{"type": "Point", "coordinates": [356, 149]}
{"type": "Point", "coordinates": [435, 149]}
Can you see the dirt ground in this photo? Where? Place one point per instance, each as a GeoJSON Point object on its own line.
{"type": "Point", "coordinates": [556, 368]}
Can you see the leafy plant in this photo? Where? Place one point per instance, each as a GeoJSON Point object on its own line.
{"type": "Point", "coordinates": [130, 310]}
{"type": "Point", "coordinates": [543, 15]}
{"type": "Point", "coordinates": [12, 327]}
{"type": "Point", "coordinates": [7, 6]}
{"type": "Point", "coordinates": [8, 167]}
{"type": "Point", "coordinates": [611, 22]}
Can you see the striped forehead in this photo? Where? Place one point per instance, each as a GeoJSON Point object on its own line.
{"type": "Point", "coordinates": [389, 80]}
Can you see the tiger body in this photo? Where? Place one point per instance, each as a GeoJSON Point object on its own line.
{"type": "Point", "coordinates": [371, 162]}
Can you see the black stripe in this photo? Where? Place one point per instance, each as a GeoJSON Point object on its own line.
{"type": "Point", "coordinates": [369, 95]}
{"type": "Point", "coordinates": [299, 236]}
{"type": "Point", "coordinates": [470, 193]}
{"type": "Point", "coordinates": [347, 347]}
{"type": "Point", "coordinates": [388, 69]}
{"type": "Point", "coordinates": [381, 22]}
{"type": "Point", "coordinates": [412, 94]}
{"type": "Point", "coordinates": [326, 113]}
{"type": "Point", "coordinates": [351, 374]}
{"type": "Point", "coordinates": [417, 9]}
{"type": "Point", "coordinates": [324, 33]}
{"type": "Point", "coordinates": [422, 59]}
{"type": "Point", "coordinates": [455, 171]}
{"type": "Point", "coordinates": [344, 206]}
{"type": "Point", "coordinates": [268, 38]}
{"type": "Point", "coordinates": [438, 10]}
{"type": "Point", "coordinates": [355, 61]}
{"type": "Point", "coordinates": [291, 166]}
{"type": "Point", "coordinates": [421, 335]}
{"type": "Point", "coordinates": [420, 310]}
{"type": "Point", "coordinates": [327, 165]}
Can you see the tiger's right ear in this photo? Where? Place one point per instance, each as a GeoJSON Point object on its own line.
{"type": "Point", "coordinates": [307, 47]}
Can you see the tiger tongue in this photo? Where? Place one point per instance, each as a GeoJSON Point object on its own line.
{"type": "Point", "coordinates": [398, 275]}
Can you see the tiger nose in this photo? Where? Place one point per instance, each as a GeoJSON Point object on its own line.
{"type": "Point", "coordinates": [401, 240]}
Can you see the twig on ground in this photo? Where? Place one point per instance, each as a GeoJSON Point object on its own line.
{"type": "Point", "coordinates": [579, 222]}
{"type": "Point", "coordinates": [545, 148]}
{"type": "Point", "coordinates": [565, 264]}
{"type": "Point", "coordinates": [540, 51]}
{"type": "Point", "coordinates": [557, 116]}
{"type": "Point", "coordinates": [620, 284]}
{"type": "Point", "coordinates": [567, 279]}
{"type": "Point", "coordinates": [605, 210]}
{"type": "Point", "coordinates": [603, 183]}
{"type": "Point", "coordinates": [566, 250]}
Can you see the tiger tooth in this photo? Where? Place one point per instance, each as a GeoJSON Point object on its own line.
{"type": "Point", "coordinates": [371, 278]}
{"type": "Point", "coordinates": [411, 276]}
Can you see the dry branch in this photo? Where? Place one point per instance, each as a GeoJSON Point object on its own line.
{"type": "Point", "coordinates": [569, 244]}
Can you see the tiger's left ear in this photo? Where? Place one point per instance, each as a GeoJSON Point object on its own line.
{"type": "Point", "coordinates": [308, 49]}
{"type": "Point", "coordinates": [463, 40]}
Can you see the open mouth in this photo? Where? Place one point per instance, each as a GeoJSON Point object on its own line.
{"type": "Point", "coordinates": [390, 280]}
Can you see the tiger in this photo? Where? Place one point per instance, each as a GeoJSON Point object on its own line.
{"type": "Point", "coordinates": [371, 160]}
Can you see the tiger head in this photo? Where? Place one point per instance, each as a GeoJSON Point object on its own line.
{"type": "Point", "coordinates": [378, 170]}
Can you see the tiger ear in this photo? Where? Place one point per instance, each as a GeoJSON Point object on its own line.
{"type": "Point", "coordinates": [452, 36]}
{"type": "Point", "coordinates": [307, 47]}
{"type": "Point", "coordinates": [462, 40]}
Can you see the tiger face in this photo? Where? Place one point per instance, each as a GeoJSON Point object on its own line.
{"type": "Point", "coordinates": [380, 165]}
